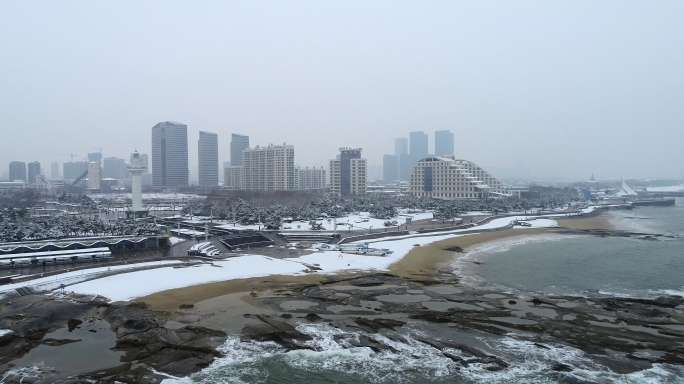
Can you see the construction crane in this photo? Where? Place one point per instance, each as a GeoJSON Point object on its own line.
{"type": "Point", "coordinates": [97, 148]}
{"type": "Point", "coordinates": [66, 154]}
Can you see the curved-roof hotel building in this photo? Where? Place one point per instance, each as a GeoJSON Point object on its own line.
{"type": "Point", "coordinates": [448, 178]}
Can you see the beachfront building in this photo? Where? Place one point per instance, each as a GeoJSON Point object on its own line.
{"type": "Point", "coordinates": [348, 173]}
{"type": "Point", "coordinates": [269, 168]}
{"type": "Point", "coordinates": [448, 178]}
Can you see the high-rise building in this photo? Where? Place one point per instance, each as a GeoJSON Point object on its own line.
{"type": "Point", "coordinates": [233, 177]}
{"type": "Point", "coordinates": [54, 170]}
{"type": "Point", "coordinates": [115, 168]}
{"type": "Point", "coordinates": [419, 144]}
{"type": "Point", "coordinates": [208, 163]}
{"type": "Point", "coordinates": [238, 143]}
{"type": "Point", "coordinates": [401, 146]}
{"type": "Point", "coordinates": [74, 169]}
{"type": "Point", "coordinates": [146, 175]}
{"type": "Point", "coordinates": [311, 178]}
{"type": "Point", "coordinates": [269, 168]}
{"type": "Point", "coordinates": [94, 175]}
{"type": "Point", "coordinates": [95, 157]}
{"type": "Point", "coordinates": [170, 154]}
{"type": "Point", "coordinates": [348, 173]}
{"type": "Point", "coordinates": [33, 171]}
{"type": "Point", "coordinates": [390, 167]}
{"type": "Point", "coordinates": [17, 171]}
{"type": "Point", "coordinates": [444, 143]}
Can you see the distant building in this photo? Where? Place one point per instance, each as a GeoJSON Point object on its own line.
{"type": "Point", "coordinates": [419, 144]}
{"type": "Point", "coordinates": [233, 177]}
{"type": "Point", "coordinates": [146, 175]}
{"type": "Point", "coordinates": [390, 167]}
{"type": "Point", "coordinates": [115, 168]}
{"type": "Point", "coordinates": [269, 168]}
{"type": "Point", "coordinates": [238, 143]}
{"type": "Point", "coordinates": [348, 173]}
{"type": "Point", "coordinates": [94, 175]}
{"type": "Point", "coordinates": [96, 157]}
{"type": "Point", "coordinates": [17, 171]}
{"type": "Point", "coordinates": [54, 170]}
{"type": "Point", "coordinates": [311, 178]}
{"type": "Point", "coordinates": [170, 154]}
{"type": "Point", "coordinates": [207, 153]}
{"type": "Point", "coordinates": [401, 146]}
{"type": "Point", "coordinates": [74, 169]}
{"type": "Point", "coordinates": [33, 171]}
{"type": "Point", "coordinates": [444, 143]}
{"type": "Point", "coordinates": [447, 178]}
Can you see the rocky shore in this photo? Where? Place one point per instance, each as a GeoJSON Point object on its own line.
{"type": "Point", "coordinates": [147, 345]}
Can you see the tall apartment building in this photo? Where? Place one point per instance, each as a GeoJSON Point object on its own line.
{"type": "Point", "coordinates": [17, 171]}
{"type": "Point", "coordinates": [233, 177]}
{"type": "Point", "coordinates": [54, 170]}
{"type": "Point", "coordinates": [33, 171]}
{"type": "Point", "coordinates": [348, 173]}
{"type": "Point", "coordinates": [401, 146]}
{"type": "Point", "coordinates": [170, 154]}
{"type": "Point", "coordinates": [419, 144]}
{"type": "Point", "coordinates": [311, 178]}
{"type": "Point", "coordinates": [444, 143]}
{"type": "Point", "coordinates": [115, 168]}
{"type": "Point", "coordinates": [390, 167]}
{"type": "Point", "coordinates": [95, 157]}
{"type": "Point", "coordinates": [269, 168]}
{"type": "Point", "coordinates": [208, 164]}
{"type": "Point", "coordinates": [74, 169]}
{"type": "Point", "coordinates": [238, 143]}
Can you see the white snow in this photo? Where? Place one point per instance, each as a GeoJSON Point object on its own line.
{"type": "Point", "coordinates": [68, 277]}
{"type": "Point", "coordinates": [672, 188]}
{"type": "Point", "coordinates": [4, 332]}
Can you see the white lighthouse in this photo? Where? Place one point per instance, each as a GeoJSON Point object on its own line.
{"type": "Point", "coordinates": [136, 169]}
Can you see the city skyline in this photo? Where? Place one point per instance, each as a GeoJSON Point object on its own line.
{"type": "Point", "coordinates": [500, 78]}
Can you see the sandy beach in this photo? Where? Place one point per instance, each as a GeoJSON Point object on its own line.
{"type": "Point", "coordinates": [423, 261]}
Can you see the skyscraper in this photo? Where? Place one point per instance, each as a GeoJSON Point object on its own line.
{"type": "Point", "coordinates": [419, 144]}
{"type": "Point", "coordinates": [269, 168]}
{"type": "Point", "coordinates": [390, 167]}
{"type": "Point", "coordinates": [33, 171]}
{"type": "Point", "coordinates": [208, 158]}
{"type": "Point", "coordinates": [54, 170]}
{"type": "Point", "coordinates": [400, 146]}
{"type": "Point", "coordinates": [169, 154]}
{"type": "Point", "coordinates": [444, 143]}
{"type": "Point", "coordinates": [348, 173]}
{"type": "Point", "coordinates": [96, 157]}
{"type": "Point", "coordinates": [17, 171]}
{"type": "Point", "coordinates": [238, 143]}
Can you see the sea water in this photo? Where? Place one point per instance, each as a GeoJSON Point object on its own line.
{"type": "Point", "coordinates": [546, 264]}
{"type": "Point", "coordinates": [637, 266]}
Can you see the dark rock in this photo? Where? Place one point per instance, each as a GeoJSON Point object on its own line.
{"type": "Point", "coordinates": [185, 366]}
{"type": "Point", "coordinates": [454, 248]}
{"type": "Point", "coordinates": [286, 316]}
{"type": "Point", "coordinates": [559, 367]}
{"type": "Point", "coordinates": [137, 304]}
{"type": "Point", "coordinates": [512, 302]}
{"type": "Point", "coordinates": [58, 342]}
{"type": "Point", "coordinates": [668, 301]}
{"type": "Point", "coordinates": [455, 358]}
{"type": "Point", "coordinates": [277, 331]}
{"type": "Point", "coordinates": [367, 281]}
{"type": "Point", "coordinates": [374, 325]}
{"type": "Point", "coordinates": [312, 317]}
{"type": "Point", "coordinates": [186, 306]}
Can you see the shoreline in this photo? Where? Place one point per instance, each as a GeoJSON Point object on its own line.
{"type": "Point", "coordinates": [420, 262]}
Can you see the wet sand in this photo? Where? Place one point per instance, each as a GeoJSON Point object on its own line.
{"type": "Point", "coordinates": [422, 261]}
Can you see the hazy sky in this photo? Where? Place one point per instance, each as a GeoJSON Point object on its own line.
{"type": "Point", "coordinates": [559, 88]}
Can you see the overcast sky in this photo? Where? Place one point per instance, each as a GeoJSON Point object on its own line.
{"type": "Point", "coordinates": [558, 88]}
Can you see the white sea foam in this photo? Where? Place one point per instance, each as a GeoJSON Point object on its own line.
{"type": "Point", "coordinates": [334, 352]}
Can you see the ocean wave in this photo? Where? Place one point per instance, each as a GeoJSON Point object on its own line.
{"type": "Point", "coordinates": [335, 354]}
